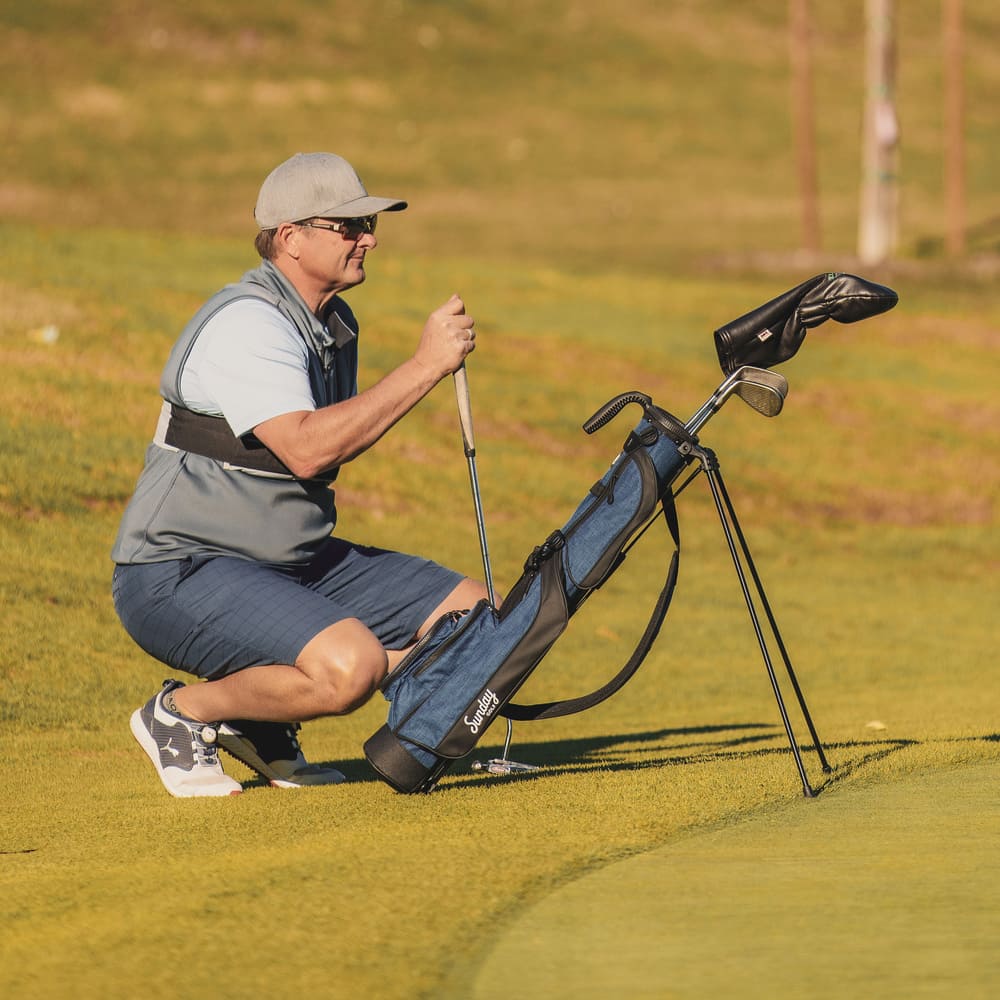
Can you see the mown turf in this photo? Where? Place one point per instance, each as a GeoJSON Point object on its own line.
{"type": "Point", "coordinates": [876, 891]}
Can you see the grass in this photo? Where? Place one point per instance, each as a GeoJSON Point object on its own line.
{"type": "Point", "coordinates": [770, 905]}
{"type": "Point", "coordinates": [573, 174]}
{"type": "Point", "coordinates": [881, 576]}
{"type": "Point", "coordinates": [572, 133]}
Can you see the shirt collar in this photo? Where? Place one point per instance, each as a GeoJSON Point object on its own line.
{"type": "Point", "coordinates": [334, 334]}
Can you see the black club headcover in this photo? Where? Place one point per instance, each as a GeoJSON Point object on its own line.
{"type": "Point", "coordinates": [773, 332]}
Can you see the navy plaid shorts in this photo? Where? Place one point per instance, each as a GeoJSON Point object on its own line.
{"type": "Point", "coordinates": [214, 615]}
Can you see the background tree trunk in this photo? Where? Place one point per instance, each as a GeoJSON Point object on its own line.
{"type": "Point", "coordinates": [878, 220]}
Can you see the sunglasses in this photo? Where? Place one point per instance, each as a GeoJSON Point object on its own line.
{"type": "Point", "coordinates": [350, 229]}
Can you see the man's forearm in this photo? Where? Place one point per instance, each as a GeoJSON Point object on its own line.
{"type": "Point", "coordinates": [309, 442]}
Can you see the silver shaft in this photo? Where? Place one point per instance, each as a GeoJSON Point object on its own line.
{"type": "Point", "coordinates": [469, 443]}
{"type": "Point", "coordinates": [713, 403]}
{"type": "Point", "coordinates": [481, 524]}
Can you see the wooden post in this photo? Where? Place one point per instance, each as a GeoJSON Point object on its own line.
{"type": "Point", "coordinates": [877, 224]}
{"type": "Point", "coordinates": [954, 128]}
{"type": "Point", "coordinates": [803, 120]}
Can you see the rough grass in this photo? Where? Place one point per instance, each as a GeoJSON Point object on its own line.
{"type": "Point", "coordinates": [573, 132]}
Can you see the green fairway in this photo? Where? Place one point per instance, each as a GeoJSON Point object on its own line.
{"type": "Point", "coordinates": [886, 890]}
{"type": "Point", "coordinates": [604, 186]}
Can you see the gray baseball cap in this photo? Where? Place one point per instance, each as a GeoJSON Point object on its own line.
{"type": "Point", "coordinates": [316, 184]}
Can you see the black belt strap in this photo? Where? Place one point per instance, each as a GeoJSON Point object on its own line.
{"type": "Point", "coordinates": [212, 437]}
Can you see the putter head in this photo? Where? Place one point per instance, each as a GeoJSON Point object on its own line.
{"type": "Point", "coordinates": [500, 765]}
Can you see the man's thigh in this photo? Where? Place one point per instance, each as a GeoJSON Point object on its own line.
{"type": "Point", "coordinates": [391, 592]}
{"type": "Point", "coordinates": [214, 616]}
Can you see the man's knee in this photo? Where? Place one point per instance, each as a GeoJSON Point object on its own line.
{"type": "Point", "coordinates": [346, 664]}
{"type": "Point", "coordinates": [466, 595]}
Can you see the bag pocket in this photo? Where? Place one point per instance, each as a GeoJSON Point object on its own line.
{"type": "Point", "coordinates": [446, 705]}
{"type": "Point", "coordinates": [595, 537]}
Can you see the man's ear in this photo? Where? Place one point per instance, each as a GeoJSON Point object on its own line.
{"type": "Point", "coordinates": [287, 237]}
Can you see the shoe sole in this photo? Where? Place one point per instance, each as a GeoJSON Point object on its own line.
{"type": "Point", "coordinates": [286, 783]}
{"type": "Point", "coordinates": [152, 751]}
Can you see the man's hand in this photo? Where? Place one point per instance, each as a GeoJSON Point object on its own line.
{"type": "Point", "coordinates": [310, 442]}
{"type": "Point", "coordinates": [449, 336]}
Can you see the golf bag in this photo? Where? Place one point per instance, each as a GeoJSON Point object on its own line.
{"type": "Point", "coordinates": [464, 671]}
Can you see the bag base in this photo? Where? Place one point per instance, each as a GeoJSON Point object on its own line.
{"type": "Point", "coordinates": [397, 766]}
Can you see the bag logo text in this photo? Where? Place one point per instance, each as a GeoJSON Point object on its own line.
{"type": "Point", "coordinates": [488, 703]}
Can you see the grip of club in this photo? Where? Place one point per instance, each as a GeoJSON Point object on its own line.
{"type": "Point", "coordinates": [465, 411]}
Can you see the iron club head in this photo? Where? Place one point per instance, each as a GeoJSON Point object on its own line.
{"type": "Point", "coordinates": [760, 388]}
{"type": "Point", "coordinates": [764, 391]}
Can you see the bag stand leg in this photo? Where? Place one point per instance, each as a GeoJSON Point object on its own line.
{"type": "Point", "coordinates": [731, 526]}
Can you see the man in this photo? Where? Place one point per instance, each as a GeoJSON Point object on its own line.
{"type": "Point", "coordinates": [226, 567]}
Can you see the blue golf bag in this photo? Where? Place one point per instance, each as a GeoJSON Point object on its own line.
{"type": "Point", "coordinates": [462, 675]}
{"type": "Point", "coordinates": [464, 672]}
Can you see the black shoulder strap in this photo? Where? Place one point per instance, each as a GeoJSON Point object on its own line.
{"type": "Point", "coordinates": [570, 706]}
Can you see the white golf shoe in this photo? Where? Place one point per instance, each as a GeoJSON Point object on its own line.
{"type": "Point", "coordinates": [184, 752]}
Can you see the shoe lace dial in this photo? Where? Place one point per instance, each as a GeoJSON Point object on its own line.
{"type": "Point", "coordinates": [206, 749]}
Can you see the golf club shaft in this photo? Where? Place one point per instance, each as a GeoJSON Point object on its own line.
{"type": "Point", "coordinates": [699, 419]}
{"type": "Point", "coordinates": [481, 524]}
{"type": "Point", "coordinates": [712, 404]}
{"type": "Point", "coordinates": [469, 443]}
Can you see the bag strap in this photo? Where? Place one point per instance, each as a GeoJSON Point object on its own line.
{"type": "Point", "coordinates": [570, 706]}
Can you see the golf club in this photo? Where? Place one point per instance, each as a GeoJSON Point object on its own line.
{"type": "Point", "coordinates": [500, 765]}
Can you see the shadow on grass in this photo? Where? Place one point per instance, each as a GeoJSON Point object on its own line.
{"type": "Point", "coordinates": [659, 748]}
